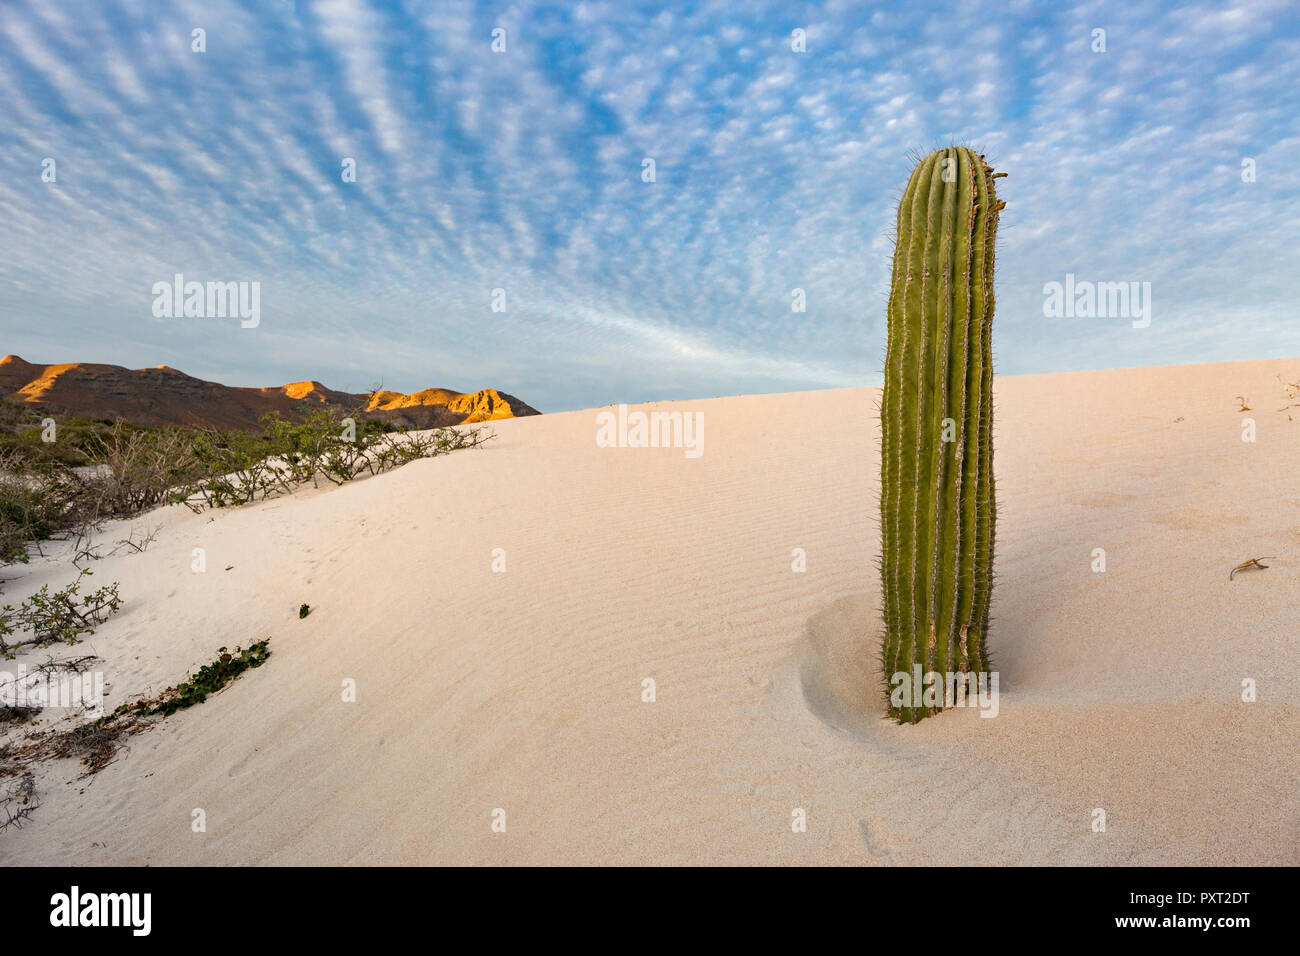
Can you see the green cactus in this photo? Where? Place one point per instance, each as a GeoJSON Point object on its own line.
{"type": "Point", "coordinates": [937, 507]}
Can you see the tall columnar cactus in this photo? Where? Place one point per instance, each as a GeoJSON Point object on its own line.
{"type": "Point", "coordinates": [937, 505]}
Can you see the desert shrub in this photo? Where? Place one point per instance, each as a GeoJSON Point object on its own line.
{"type": "Point", "coordinates": [22, 429]}
{"type": "Point", "coordinates": [122, 471]}
{"type": "Point", "coordinates": [231, 468]}
{"type": "Point", "coordinates": [37, 500]}
{"type": "Point", "coordinates": [102, 470]}
{"type": "Point", "coordinates": [134, 470]}
{"type": "Point", "coordinates": [60, 616]}
{"type": "Point", "coordinates": [326, 445]}
{"type": "Point", "coordinates": [19, 802]}
{"type": "Point", "coordinates": [17, 714]}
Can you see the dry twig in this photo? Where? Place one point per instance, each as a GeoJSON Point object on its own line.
{"type": "Point", "coordinates": [1252, 563]}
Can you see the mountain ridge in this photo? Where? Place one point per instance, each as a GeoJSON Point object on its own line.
{"type": "Point", "coordinates": [162, 395]}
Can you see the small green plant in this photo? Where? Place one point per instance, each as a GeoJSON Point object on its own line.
{"type": "Point", "coordinates": [60, 616]}
{"type": "Point", "coordinates": [210, 678]}
{"type": "Point", "coordinates": [303, 611]}
{"type": "Point", "coordinates": [95, 743]}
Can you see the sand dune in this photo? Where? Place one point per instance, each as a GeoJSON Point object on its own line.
{"type": "Point", "coordinates": [522, 690]}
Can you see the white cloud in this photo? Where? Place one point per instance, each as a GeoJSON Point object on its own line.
{"type": "Point", "coordinates": [522, 171]}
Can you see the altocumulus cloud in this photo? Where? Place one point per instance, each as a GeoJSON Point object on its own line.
{"type": "Point", "coordinates": [522, 170]}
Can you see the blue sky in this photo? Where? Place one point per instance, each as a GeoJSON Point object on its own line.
{"type": "Point", "coordinates": [522, 171]}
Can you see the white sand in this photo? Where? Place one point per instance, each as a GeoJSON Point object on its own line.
{"type": "Point", "coordinates": [522, 690]}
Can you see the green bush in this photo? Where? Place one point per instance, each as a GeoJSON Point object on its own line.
{"type": "Point", "coordinates": [240, 469]}
{"type": "Point", "coordinates": [210, 678]}
{"type": "Point", "coordinates": [101, 470]}
{"type": "Point", "coordinates": [62, 616]}
{"type": "Point", "coordinates": [36, 501]}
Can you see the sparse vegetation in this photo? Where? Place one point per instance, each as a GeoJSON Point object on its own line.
{"type": "Point", "coordinates": [95, 743]}
{"type": "Point", "coordinates": [22, 428]}
{"type": "Point", "coordinates": [98, 470]}
{"type": "Point", "coordinates": [60, 616]}
{"type": "Point", "coordinates": [326, 446]}
{"type": "Point", "coordinates": [17, 713]}
{"type": "Point", "coordinates": [18, 802]}
{"type": "Point", "coordinates": [1292, 391]}
{"type": "Point", "coordinates": [208, 679]}
{"type": "Point", "coordinates": [36, 502]}
{"type": "Point", "coordinates": [119, 472]}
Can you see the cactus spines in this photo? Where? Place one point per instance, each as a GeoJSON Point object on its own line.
{"type": "Point", "coordinates": [937, 507]}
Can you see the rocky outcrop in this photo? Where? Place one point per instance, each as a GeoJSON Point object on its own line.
{"type": "Point", "coordinates": [166, 396]}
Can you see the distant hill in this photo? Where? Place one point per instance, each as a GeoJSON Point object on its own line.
{"type": "Point", "coordinates": [166, 396]}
